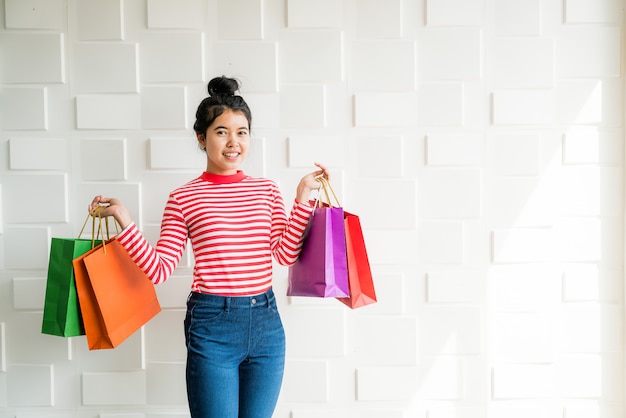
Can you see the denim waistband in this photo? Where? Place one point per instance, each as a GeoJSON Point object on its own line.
{"type": "Point", "coordinates": [263, 299]}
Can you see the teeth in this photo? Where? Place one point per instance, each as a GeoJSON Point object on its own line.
{"type": "Point", "coordinates": [231, 154]}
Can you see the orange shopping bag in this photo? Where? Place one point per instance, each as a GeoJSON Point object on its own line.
{"type": "Point", "coordinates": [360, 279]}
{"type": "Point", "coordinates": [116, 296]}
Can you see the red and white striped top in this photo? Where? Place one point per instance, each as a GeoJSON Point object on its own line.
{"type": "Point", "coordinates": [235, 224]}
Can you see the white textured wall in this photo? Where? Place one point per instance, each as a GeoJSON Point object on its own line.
{"type": "Point", "coordinates": [481, 141]}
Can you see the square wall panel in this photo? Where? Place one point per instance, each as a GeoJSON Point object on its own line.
{"type": "Point", "coordinates": [385, 340]}
{"type": "Point", "coordinates": [106, 68]}
{"type": "Point", "coordinates": [517, 17]}
{"type": "Point", "coordinates": [166, 382]}
{"type": "Point", "coordinates": [161, 55]}
{"type": "Point", "coordinates": [108, 111]}
{"type": "Point", "coordinates": [235, 25]}
{"type": "Point", "coordinates": [176, 14]}
{"type": "Point", "coordinates": [522, 63]}
{"type": "Point", "coordinates": [318, 14]}
{"type": "Point", "coordinates": [377, 19]}
{"type": "Point", "coordinates": [386, 383]}
{"type": "Point", "coordinates": [525, 287]}
{"type": "Point", "coordinates": [29, 293]}
{"type": "Point", "coordinates": [38, 154]}
{"type": "Point", "coordinates": [379, 157]}
{"type": "Point", "coordinates": [450, 193]}
{"type": "Point", "coordinates": [454, 149]}
{"type": "Point", "coordinates": [114, 388]}
{"type": "Point", "coordinates": [589, 102]}
{"type": "Point", "coordinates": [454, 12]}
{"type": "Point", "coordinates": [455, 286]}
{"type": "Point", "coordinates": [526, 337]}
{"type": "Point", "coordinates": [523, 245]}
{"type": "Point", "coordinates": [30, 385]}
{"type": "Point", "coordinates": [590, 283]}
{"type": "Point", "coordinates": [581, 11]}
{"type": "Point", "coordinates": [588, 51]}
{"type": "Point", "coordinates": [450, 330]}
{"type": "Point", "coordinates": [20, 50]}
{"type": "Point", "coordinates": [581, 145]}
{"type": "Point", "coordinates": [29, 247]}
{"type": "Point", "coordinates": [510, 381]}
{"type": "Point", "coordinates": [370, 110]}
{"type": "Point", "coordinates": [311, 55]}
{"type": "Point", "coordinates": [165, 337]}
{"type": "Point", "coordinates": [302, 106]}
{"type": "Point", "coordinates": [523, 107]}
{"type": "Point", "coordinates": [24, 108]}
{"type": "Point", "coordinates": [449, 54]}
{"type": "Point", "coordinates": [103, 159]}
{"type": "Point", "coordinates": [26, 207]}
{"type": "Point", "coordinates": [315, 333]}
{"type": "Point", "coordinates": [254, 64]}
{"type": "Point", "coordinates": [440, 104]}
{"type": "Point", "coordinates": [304, 150]}
{"type": "Point", "coordinates": [170, 153]}
{"type": "Point", "coordinates": [522, 201]}
{"type": "Point", "coordinates": [440, 242]}
{"type": "Point", "coordinates": [590, 191]}
{"type": "Point", "coordinates": [35, 14]}
{"type": "Point", "coordinates": [586, 328]}
{"type": "Point", "coordinates": [100, 20]}
{"type": "Point", "coordinates": [394, 73]}
{"type": "Point", "coordinates": [516, 154]}
{"type": "Point", "coordinates": [164, 107]}
{"type": "Point", "coordinates": [385, 204]}
{"type": "Point", "coordinates": [26, 325]}
{"type": "Point", "coordinates": [306, 381]}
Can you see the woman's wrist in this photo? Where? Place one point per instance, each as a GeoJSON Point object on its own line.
{"type": "Point", "coordinates": [122, 217]}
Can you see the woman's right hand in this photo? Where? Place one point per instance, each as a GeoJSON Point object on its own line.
{"type": "Point", "coordinates": [110, 207]}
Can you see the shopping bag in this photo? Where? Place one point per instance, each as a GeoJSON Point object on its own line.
{"type": "Point", "coordinates": [321, 270]}
{"type": "Point", "coordinates": [61, 311]}
{"type": "Point", "coordinates": [360, 279]}
{"type": "Point", "coordinates": [117, 298]}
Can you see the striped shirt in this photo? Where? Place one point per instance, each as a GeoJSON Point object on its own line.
{"type": "Point", "coordinates": [235, 224]}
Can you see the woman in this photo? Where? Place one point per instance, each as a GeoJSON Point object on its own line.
{"type": "Point", "coordinates": [236, 224]}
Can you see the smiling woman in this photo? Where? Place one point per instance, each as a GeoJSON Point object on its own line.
{"type": "Point", "coordinates": [236, 224]}
{"type": "Point", "coordinates": [223, 123]}
{"type": "Point", "coordinates": [225, 142]}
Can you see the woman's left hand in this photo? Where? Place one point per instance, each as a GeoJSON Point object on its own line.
{"type": "Point", "coordinates": [309, 183]}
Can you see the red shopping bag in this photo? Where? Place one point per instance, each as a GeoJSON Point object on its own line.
{"type": "Point", "coordinates": [116, 296]}
{"type": "Point", "coordinates": [360, 278]}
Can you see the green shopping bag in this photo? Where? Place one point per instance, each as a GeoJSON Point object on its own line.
{"type": "Point", "coordinates": [61, 312]}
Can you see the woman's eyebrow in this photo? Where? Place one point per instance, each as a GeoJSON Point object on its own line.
{"type": "Point", "coordinates": [224, 127]}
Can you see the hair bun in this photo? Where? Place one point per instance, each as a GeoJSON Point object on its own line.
{"type": "Point", "coordinates": [222, 86]}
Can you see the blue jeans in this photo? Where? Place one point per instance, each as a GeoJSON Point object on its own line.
{"type": "Point", "coordinates": [235, 355]}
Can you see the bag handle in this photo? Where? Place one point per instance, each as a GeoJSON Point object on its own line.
{"type": "Point", "coordinates": [325, 185]}
{"type": "Point", "coordinates": [97, 212]}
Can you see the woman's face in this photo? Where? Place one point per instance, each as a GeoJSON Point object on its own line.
{"type": "Point", "coordinates": [226, 142]}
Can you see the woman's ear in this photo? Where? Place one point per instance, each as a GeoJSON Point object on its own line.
{"type": "Point", "coordinates": [201, 140]}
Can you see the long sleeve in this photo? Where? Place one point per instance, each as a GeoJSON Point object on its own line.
{"type": "Point", "coordinates": [235, 228]}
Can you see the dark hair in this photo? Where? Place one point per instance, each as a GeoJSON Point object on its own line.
{"type": "Point", "coordinates": [221, 97]}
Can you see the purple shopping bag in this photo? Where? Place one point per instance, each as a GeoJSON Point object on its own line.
{"type": "Point", "coordinates": [322, 268]}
